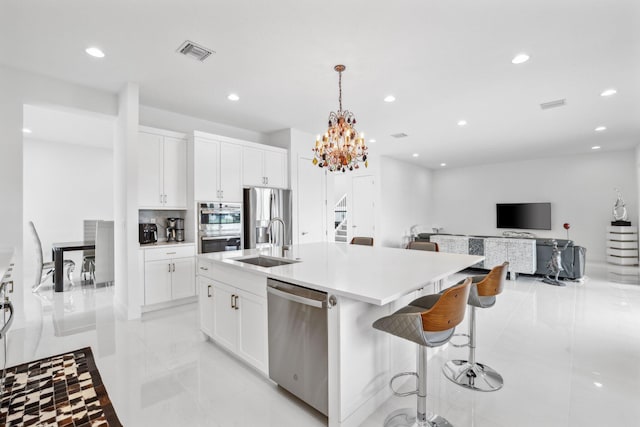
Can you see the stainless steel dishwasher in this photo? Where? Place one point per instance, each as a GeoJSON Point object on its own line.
{"type": "Point", "coordinates": [298, 341]}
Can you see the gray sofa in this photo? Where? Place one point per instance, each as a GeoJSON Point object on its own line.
{"type": "Point", "coordinates": [573, 258]}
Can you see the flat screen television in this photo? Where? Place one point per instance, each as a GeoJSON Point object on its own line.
{"type": "Point", "coordinates": [529, 216]}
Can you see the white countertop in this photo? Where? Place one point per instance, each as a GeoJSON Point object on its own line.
{"type": "Point", "coordinates": [371, 274]}
{"type": "Point", "coordinates": [164, 244]}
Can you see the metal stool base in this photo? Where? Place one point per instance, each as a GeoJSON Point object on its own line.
{"type": "Point", "coordinates": [406, 417]}
{"type": "Point", "coordinates": [473, 376]}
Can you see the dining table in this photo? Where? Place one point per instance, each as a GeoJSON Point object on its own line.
{"type": "Point", "coordinates": [57, 253]}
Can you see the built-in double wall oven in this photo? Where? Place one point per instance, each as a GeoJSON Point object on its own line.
{"type": "Point", "coordinates": [219, 227]}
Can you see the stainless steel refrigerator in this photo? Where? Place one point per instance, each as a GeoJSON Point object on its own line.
{"type": "Point", "coordinates": [260, 205]}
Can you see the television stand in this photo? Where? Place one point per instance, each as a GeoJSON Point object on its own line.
{"type": "Point", "coordinates": [518, 234]}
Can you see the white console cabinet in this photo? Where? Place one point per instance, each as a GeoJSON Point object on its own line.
{"type": "Point", "coordinates": [520, 253]}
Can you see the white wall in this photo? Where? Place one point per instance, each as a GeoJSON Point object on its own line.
{"type": "Point", "coordinates": [405, 200]}
{"type": "Point", "coordinates": [177, 122]}
{"type": "Point", "coordinates": [82, 189]}
{"type": "Point", "coordinates": [19, 88]}
{"type": "Point", "coordinates": [579, 187]}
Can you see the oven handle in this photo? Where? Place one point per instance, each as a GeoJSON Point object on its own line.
{"type": "Point", "coordinates": [219, 237]}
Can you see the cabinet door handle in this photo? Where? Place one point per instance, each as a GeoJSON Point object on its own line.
{"type": "Point", "coordinates": [165, 198]}
{"type": "Point", "coordinates": [235, 303]}
{"type": "Point", "coordinates": [233, 299]}
{"type": "Point", "coordinates": [171, 253]}
{"type": "Point", "coordinates": [161, 198]}
{"type": "Point", "coordinates": [267, 178]}
{"type": "Point", "coordinates": [174, 267]}
{"type": "Point", "coordinates": [169, 267]}
{"type": "Point", "coordinates": [204, 268]}
{"type": "Point", "coordinates": [208, 291]}
{"type": "Point", "coordinates": [304, 233]}
{"type": "Point", "coordinates": [222, 194]}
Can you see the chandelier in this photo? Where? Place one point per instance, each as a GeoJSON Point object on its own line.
{"type": "Point", "coordinates": [340, 148]}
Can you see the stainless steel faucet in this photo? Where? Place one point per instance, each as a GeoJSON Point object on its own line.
{"type": "Point", "coordinates": [271, 240]}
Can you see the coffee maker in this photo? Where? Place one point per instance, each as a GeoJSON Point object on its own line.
{"type": "Point", "coordinates": [147, 233]}
{"type": "Point", "coordinates": [175, 230]}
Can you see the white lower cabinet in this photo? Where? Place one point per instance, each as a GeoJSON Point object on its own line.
{"type": "Point", "coordinates": [169, 274]}
{"type": "Point", "coordinates": [233, 317]}
{"type": "Point", "coordinates": [157, 282]}
{"type": "Point", "coordinates": [205, 290]}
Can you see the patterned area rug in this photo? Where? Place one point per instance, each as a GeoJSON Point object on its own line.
{"type": "Point", "coordinates": [64, 390]}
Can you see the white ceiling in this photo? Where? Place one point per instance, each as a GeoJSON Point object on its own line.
{"type": "Point", "coordinates": [444, 60]}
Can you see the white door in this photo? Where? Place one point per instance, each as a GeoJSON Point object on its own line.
{"type": "Point", "coordinates": [230, 172]}
{"type": "Point", "coordinates": [252, 329]}
{"type": "Point", "coordinates": [175, 172]}
{"type": "Point", "coordinates": [362, 207]}
{"type": "Point", "coordinates": [205, 170]}
{"type": "Point", "coordinates": [149, 170]}
{"type": "Point", "coordinates": [252, 167]}
{"type": "Point", "coordinates": [275, 169]}
{"type": "Point", "coordinates": [225, 325]}
{"type": "Point", "coordinates": [311, 202]}
{"type": "Point", "coordinates": [157, 281]}
{"type": "Point", "coordinates": [183, 278]}
{"type": "Point", "coordinates": [205, 300]}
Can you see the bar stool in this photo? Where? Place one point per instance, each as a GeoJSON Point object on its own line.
{"type": "Point", "coordinates": [431, 325]}
{"type": "Point", "coordinates": [469, 373]}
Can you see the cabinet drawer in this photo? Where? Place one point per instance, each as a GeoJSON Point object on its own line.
{"type": "Point", "coordinates": [169, 252]}
{"type": "Point", "coordinates": [204, 268]}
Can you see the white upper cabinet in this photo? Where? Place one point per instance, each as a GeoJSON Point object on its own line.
{"type": "Point", "coordinates": [217, 170]}
{"type": "Point", "coordinates": [264, 167]}
{"type": "Point", "coordinates": [150, 191]}
{"type": "Point", "coordinates": [275, 168]}
{"type": "Point", "coordinates": [230, 172]}
{"type": "Point", "coordinates": [162, 170]}
{"type": "Point", "coordinates": [175, 172]}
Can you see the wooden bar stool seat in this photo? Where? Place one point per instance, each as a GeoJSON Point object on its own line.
{"type": "Point", "coordinates": [431, 325]}
{"type": "Point", "coordinates": [469, 373]}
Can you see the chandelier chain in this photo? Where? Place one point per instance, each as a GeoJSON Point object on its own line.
{"type": "Point", "coordinates": [340, 89]}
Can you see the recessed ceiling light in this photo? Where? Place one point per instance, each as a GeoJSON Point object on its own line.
{"type": "Point", "coordinates": [95, 52]}
{"type": "Point", "coordinates": [609, 92]}
{"type": "Point", "coordinates": [443, 164]}
{"type": "Point", "coordinates": [520, 58]}
{"type": "Point", "coordinates": [389, 98]}
{"type": "Point", "coordinates": [462, 122]}
{"type": "Point", "coordinates": [26, 130]}
{"type": "Point", "coordinates": [600, 128]}
{"type": "Point", "coordinates": [372, 140]}
{"type": "Point", "coordinates": [595, 147]}
{"type": "Point", "coordinates": [597, 384]}
{"type": "Point", "coordinates": [233, 97]}
{"type": "Point", "coordinates": [415, 154]}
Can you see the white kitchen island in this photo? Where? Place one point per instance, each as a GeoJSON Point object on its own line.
{"type": "Point", "coordinates": [367, 283]}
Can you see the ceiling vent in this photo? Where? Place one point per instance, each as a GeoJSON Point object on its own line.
{"type": "Point", "coordinates": [553, 104]}
{"type": "Point", "coordinates": [399, 135]}
{"type": "Point", "coordinates": [194, 50]}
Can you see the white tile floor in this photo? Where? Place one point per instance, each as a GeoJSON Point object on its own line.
{"type": "Point", "coordinates": [570, 357]}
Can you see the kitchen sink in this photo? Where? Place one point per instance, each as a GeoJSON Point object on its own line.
{"type": "Point", "coordinates": [266, 261]}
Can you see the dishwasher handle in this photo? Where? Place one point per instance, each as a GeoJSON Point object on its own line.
{"type": "Point", "coordinates": [295, 298]}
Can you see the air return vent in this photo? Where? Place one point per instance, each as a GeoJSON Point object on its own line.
{"type": "Point", "coordinates": [399, 135]}
{"type": "Point", "coordinates": [194, 50]}
{"type": "Point", "coordinates": [553, 104]}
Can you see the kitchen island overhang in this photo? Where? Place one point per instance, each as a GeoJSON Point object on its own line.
{"type": "Point", "coordinates": [367, 283]}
